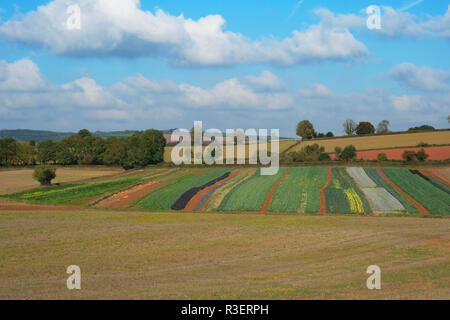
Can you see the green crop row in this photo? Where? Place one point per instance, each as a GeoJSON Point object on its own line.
{"type": "Point", "coordinates": [299, 192]}
{"type": "Point", "coordinates": [251, 193]}
{"type": "Point", "coordinates": [432, 198]}
{"type": "Point", "coordinates": [164, 198]}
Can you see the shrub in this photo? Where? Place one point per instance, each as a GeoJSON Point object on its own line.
{"type": "Point", "coordinates": [338, 151]}
{"type": "Point", "coordinates": [44, 175]}
{"type": "Point", "coordinates": [421, 155]}
{"type": "Point", "coordinates": [349, 153]}
{"type": "Point", "coordinates": [382, 157]}
{"type": "Point", "coordinates": [324, 157]}
{"type": "Point", "coordinates": [409, 155]}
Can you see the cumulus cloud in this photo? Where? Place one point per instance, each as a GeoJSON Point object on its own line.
{"type": "Point", "coordinates": [22, 75]}
{"type": "Point", "coordinates": [422, 78]}
{"type": "Point", "coordinates": [394, 23]}
{"type": "Point", "coordinates": [26, 95]}
{"type": "Point", "coordinates": [321, 104]}
{"type": "Point", "coordinates": [121, 28]}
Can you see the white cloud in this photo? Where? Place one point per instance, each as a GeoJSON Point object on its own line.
{"type": "Point", "coordinates": [266, 80]}
{"type": "Point", "coordinates": [121, 28]}
{"type": "Point", "coordinates": [22, 75]}
{"type": "Point", "coordinates": [394, 23]}
{"type": "Point", "coordinates": [422, 78]}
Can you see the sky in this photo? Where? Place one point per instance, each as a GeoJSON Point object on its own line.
{"type": "Point", "coordinates": [263, 64]}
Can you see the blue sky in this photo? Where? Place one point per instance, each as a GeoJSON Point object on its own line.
{"type": "Point", "coordinates": [232, 64]}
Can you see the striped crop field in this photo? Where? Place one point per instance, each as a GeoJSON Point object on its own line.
{"type": "Point", "coordinates": [313, 190]}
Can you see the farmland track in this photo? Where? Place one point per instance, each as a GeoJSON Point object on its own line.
{"type": "Point", "coordinates": [323, 204]}
{"type": "Point", "coordinates": [272, 191]}
{"type": "Point", "coordinates": [416, 203]}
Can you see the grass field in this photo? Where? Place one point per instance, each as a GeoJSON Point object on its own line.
{"type": "Point", "coordinates": [135, 255]}
{"type": "Point", "coordinates": [382, 142]}
{"type": "Point", "coordinates": [21, 179]}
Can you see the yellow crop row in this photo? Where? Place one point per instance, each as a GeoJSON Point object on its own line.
{"type": "Point", "coordinates": [355, 202]}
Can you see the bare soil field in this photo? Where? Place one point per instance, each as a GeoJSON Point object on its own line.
{"type": "Point", "coordinates": [132, 255]}
{"type": "Point", "coordinates": [383, 141]}
{"type": "Point", "coordinates": [16, 180]}
{"type": "Point", "coordinates": [435, 153]}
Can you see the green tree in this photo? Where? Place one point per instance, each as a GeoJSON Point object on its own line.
{"type": "Point", "coordinates": [365, 128]}
{"type": "Point", "coordinates": [143, 149]}
{"type": "Point", "coordinates": [305, 129]}
{"type": "Point", "coordinates": [8, 149]}
{"type": "Point", "coordinates": [83, 133]}
{"type": "Point", "coordinates": [25, 154]}
{"type": "Point", "coordinates": [44, 174]}
{"type": "Point", "coordinates": [111, 155]}
{"type": "Point", "coordinates": [46, 151]}
{"type": "Point", "coordinates": [349, 153]}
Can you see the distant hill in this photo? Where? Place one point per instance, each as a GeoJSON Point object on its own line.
{"type": "Point", "coordinates": [34, 135]}
{"type": "Point", "coordinates": [39, 135]}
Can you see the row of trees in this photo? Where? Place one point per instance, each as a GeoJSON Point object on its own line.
{"type": "Point", "coordinates": [139, 150]}
{"type": "Point", "coordinates": [305, 129]}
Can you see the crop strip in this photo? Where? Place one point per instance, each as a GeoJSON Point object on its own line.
{"type": "Point", "coordinates": [272, 191]}
{"type": "Point", "coordinates": [182, 201]}
{"type": "Point", "coordinates": [416, 203]}
{"type": "Point", "coordinates": [323, 203]}
{"type": "Point", "coordinates": [199, 197]}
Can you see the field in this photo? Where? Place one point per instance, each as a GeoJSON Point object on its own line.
{"type": "Point", "coordinates": [434, 153]}
{"type": "Point", "coordinates": [382, 142]}
{"type": "Point", "coordinates": [341, 190]}
{"type": "Point", "coordinates": [20, 179]}
{"type": "Point", "coordinates": [122, 231]}
{"type": "Point", "coordinates": [142, 255]}
{"type": "Point", "coordinates": [283, 145]}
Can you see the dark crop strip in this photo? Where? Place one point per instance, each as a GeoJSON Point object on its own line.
{"type": "Point", "coordinates": [432, 181]}
{"type": "Point", "coordinates": [182, 202]}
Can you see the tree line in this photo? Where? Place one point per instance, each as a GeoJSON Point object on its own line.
{"type": "Point", "coordinates": [141, 149]}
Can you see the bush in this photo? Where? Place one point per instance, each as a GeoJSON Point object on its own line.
{"type": "Point", "coordinates": [382, 157]}
{"type": "Point", "coordinates": [338, 151]}
{"type": "Point", "coordinates": [324, 157]}
{"type": "Point", "coordinates": [349, 153]}
{"type": "Point", "coordinates": [421, 155]}
{"type": "Point", "coordinates": [409, 155]}
{"type": "Point", "coordinates": [44, 175]}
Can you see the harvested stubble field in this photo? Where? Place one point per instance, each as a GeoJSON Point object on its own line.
{"type": "Point", "coordinates": [382, 141]}
{"type": "Point", "coordinates": [142, 255]}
